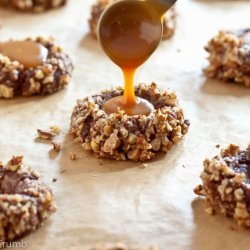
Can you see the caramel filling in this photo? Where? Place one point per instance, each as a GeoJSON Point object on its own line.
{"type": "Point", "coordinates": [129, 32]}
{"type": "Point", "coordinates": [28, 53]}
{"type": "Point", "coordinates": [142, 106]}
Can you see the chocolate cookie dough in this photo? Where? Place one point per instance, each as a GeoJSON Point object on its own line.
{"type": "Point", "coordinates": [33, 5]}
{"type": "Point", "coordinates": [121, 137]}
{"type": "Point", "coordinates": [229, 56]}
{"type": "Point", "coordinates": [169, 21]}
{"type": "Point", "coordinates": [226, 183]}
{"type": "Point", "coordinates": [25, 202]}
{"type": "Point", "coordinates": [19, 76]}
{"type": "Point", "coordinates": [120, 246]}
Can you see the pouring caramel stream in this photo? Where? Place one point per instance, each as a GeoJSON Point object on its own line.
{"type": "Point", "coordinates": [129, 32]}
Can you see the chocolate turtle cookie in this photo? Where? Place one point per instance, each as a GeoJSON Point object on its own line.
{"type": "Point", "coordinates": [25, 202]}
{"type": "Point", "coordinates": [33, 5]}
{"type": "Point", "coordinates": [120, 246]}
{"type": "Point", "coordinates": [169, 21]}
{"type": "Point", "coordinates": [226, 183]}
{"type": "Point", "coordinates": [120, 136]}
{"type": "Point", "coordinates": [33, 67]}
{"type": "Point", "coordinates": [229, 56]}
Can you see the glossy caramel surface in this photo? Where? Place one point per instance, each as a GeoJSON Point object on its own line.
{"type": "Point", "coordinates": [28, 53]}
{"type": "Point", "coordinates": [141, 107]}
{"type": "Point", "coordinates": [129, 32]}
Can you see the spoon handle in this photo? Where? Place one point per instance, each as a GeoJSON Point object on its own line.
{"type": "Point", "coordinates": [163, 5]}
{"type": "Point", "coordinates": [170, 2]}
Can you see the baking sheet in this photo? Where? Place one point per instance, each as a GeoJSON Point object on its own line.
{"type": "Point", "coordinates": [120, 201]}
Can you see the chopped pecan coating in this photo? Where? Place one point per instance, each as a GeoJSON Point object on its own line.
{"type": "Point", "coordinates": [15, 163]}
{"type": "Point", "coordinates": [25, 202]}
{"type": "Point", "coordinates": [121, 137]}
{"type": "Point", "coordinates": [226, 181]}
{"type": "Point", "coordinates": [229, 56]}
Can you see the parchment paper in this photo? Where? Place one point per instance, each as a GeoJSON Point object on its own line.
{"type": "Point", "coordinates": [120, 201]}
